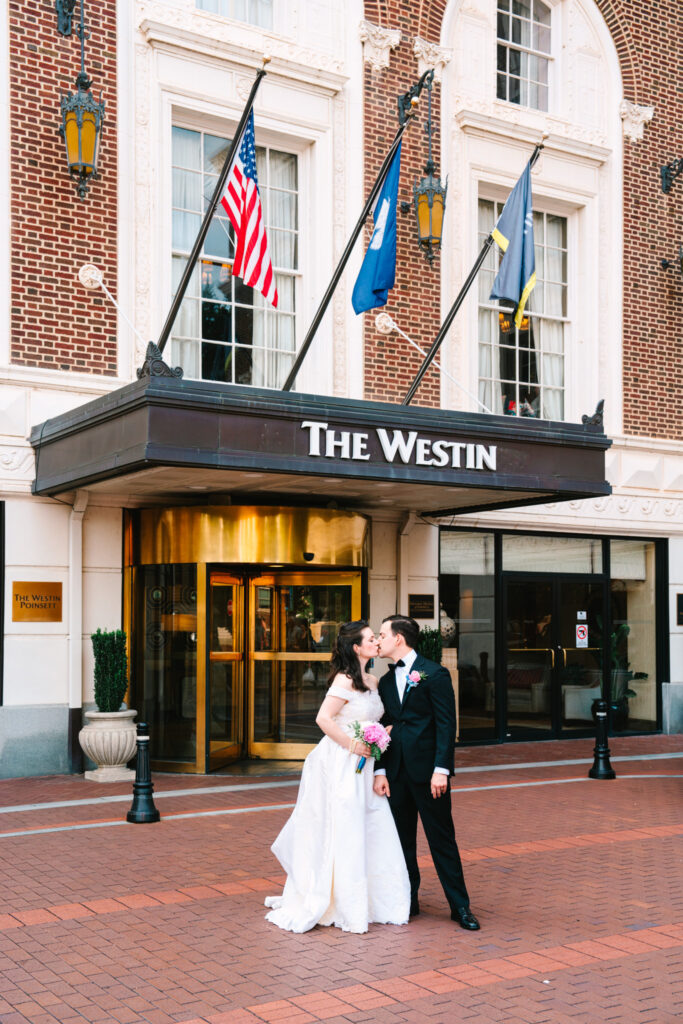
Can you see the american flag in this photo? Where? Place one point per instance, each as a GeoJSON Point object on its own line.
{"type": "Point", "coordinates": [242, 203]}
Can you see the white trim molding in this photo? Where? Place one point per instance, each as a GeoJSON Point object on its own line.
{"type": "Point", "coordinates": [634, 117]}
{"type": "Point", "coordinates": [378, 43]}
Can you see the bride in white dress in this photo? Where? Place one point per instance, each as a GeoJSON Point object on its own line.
{"type": "Point", "coordinates": [340, 848]}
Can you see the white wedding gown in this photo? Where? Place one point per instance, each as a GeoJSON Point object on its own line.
{"type": "Point", "coordinates": [340, 847]}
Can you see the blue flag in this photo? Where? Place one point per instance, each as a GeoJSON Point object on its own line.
{"type": "Point", "coordinates": [514, 233]}
{"type": "Point", "coordinates": [378, 272]}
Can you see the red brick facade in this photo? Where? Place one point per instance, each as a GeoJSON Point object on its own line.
{"type": "Point", "coordinates": [53, 232]}
{"type": "Point", "coordinates": [415, 302]}
{"type": "Point", "coordinates": [648, 36]}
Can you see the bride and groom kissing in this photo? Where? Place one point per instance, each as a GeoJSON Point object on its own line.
{"type": "Point", "coordinates": [349, 849]}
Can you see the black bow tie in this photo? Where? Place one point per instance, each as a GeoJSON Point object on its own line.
{"type": "Point", "coordinates": [400, 663]}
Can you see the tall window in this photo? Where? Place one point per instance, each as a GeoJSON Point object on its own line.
{"type": "Point", "coordinates": [523, 52]}
{"type": "Point", "coordinates": [521, 371]}
{"type": "Point", "coordinates": [224, 330]}
{"type": "Point", "coordinates": [254, 12]}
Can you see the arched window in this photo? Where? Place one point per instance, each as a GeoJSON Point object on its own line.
{"type": "Point", "coordinates": [523, 52]}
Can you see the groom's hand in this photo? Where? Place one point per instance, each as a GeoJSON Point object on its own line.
{"type": "Point", "coordinates": [381, 785]}
{"type": "Point", "coordinates": [439, 784]}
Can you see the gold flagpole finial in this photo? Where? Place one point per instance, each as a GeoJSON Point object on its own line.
{"type": "Point", "coordinates": [266, 59]}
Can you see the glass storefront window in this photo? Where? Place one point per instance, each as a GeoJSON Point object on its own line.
{"type": "Point", "coordinates": [467, 588]}
{"type": "Point", "coordinates": [633, 635]}
{"type": "Point", "coordinates": [525, 553]}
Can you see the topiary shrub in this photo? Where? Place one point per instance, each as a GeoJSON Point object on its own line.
{"type": "Point", "coordinates": [111, 668]}
{"type": "Point", "coordinates": [430, 644]}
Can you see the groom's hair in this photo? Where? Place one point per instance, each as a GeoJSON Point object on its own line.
{"type": "Point", "coordinates": [406, 627]}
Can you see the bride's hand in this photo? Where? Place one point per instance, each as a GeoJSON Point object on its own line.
{"type": "Point", "coordinates": [360, 748]}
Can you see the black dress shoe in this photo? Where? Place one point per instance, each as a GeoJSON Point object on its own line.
{"type": "Point", "coordinates": [414, 907]}
{"type": "Point", "coordinates": [465, 918]}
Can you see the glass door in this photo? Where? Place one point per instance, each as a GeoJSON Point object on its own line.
{"type": "Point", "coordinates": [530, 657]}
{"type": "Point", "coordinates": [293, 624]}
{"type": "Point", "coordinates": [553, 654]}
{"type": "Point", "coordinates": [225, 671]}
{"type": "Point", "coordinates": [580, 616]}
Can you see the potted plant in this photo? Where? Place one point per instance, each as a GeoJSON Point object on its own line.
{"type": "Point", "coordinates": [430, 644]}
{"type": "Point", "coordinates": [109, 737]}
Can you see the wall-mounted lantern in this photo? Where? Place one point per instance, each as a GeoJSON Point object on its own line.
{"type": "Point", "coordinates": [82, 119]}
{"type": "Point", "coordinates": [429, 194]}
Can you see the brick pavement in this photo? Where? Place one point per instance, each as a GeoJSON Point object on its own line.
{"type": "Point", "coordinates": [578, 885]}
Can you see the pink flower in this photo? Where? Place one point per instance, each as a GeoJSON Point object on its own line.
{"type": "Point", "coordinates": [376, 735]}
{"type": "Point", "coordinates": [415, 677]}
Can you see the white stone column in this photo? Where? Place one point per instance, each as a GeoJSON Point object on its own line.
{"type": "Point", "coordinates": [75, 683]}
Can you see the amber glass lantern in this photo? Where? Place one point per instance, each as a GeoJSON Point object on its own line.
{"type": "Point", "coordinates": [429, 195]}
{"type": "Point", "coordinates": [82, 119]}
{"type": "Point", "coordinates": [430, 199]}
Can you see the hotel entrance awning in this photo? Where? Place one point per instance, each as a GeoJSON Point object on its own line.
{"type": "Point", "coordinates": [165, 440]}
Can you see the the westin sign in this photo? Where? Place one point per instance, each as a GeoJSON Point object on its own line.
{"type": "Point", "coordinates": [406, 446]}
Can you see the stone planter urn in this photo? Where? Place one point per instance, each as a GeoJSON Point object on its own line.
{"type": "Point", "coordinates": [109, 739]}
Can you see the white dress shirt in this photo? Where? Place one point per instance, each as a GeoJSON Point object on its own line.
{"type": "Point", "coordinates": [401, 674]}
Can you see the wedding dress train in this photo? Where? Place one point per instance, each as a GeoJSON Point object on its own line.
{"type": "Point", "coordinates": [340, 848]}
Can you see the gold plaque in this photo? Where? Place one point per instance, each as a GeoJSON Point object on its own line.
{"type": "Point", "coordinates": [36, 602]}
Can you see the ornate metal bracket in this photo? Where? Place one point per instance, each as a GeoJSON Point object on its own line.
{"type": "Point", "coordinates": [65, 11]}
{"type": "Point", "coordinates": [154, 365]}
{"type": "Point", "coordinates": [669, 172]}
{"type": "Point", "coordinates": [596, 419]}
{"type": "Point", "coordinates": [678, 262]}
{"type": "Point", "coordinates": [405, 102]}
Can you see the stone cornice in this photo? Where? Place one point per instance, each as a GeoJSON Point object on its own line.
{"type": "Point", "coordinates": [429, 55]}
{"type": "Point", "coordinates": [378, 43]}
{"type": "Point", "coordinates": [634, 117]}
{"type": "Point", "coordinates": [484, 126]}
{"type": "Point", "coordinates": [288, 62]}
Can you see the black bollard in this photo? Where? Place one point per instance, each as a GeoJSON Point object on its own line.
{"type": "Point", "coordinates": [602, 769]}
{"type": "Point", "coordinates": [143, 809]}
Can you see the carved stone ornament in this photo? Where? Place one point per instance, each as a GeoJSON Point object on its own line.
{"type": "Point", "coordinates": [377, 44]}
{"type": "Point", "coordinates": [634, 117]}
{"type": "Point", "coordinates": [429, 55]}
{"type": "Point", "coordinates": [154, 365]}
{"type": "Point", "coordinates": [596, 419]}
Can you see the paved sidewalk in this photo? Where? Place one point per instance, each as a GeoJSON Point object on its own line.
{"type": "Point", "coordinates": [578, 885]}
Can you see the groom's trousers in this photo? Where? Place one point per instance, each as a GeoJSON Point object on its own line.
{"type": "Point", "coordinates": [407, 800]}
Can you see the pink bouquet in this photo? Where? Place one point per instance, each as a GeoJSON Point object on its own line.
{"type": "Point", "coordinates": [376, 737]}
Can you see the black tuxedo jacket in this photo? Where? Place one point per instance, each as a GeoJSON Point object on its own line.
{"type": "Point", "coordinates": [423, 734]}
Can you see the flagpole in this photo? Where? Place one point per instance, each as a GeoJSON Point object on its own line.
{"type": "Point", "coordinates": [411, 98]}
{"type": "Point", "coordinates": [450, 316]}
{"type": "Point", "coordinates": [208, 216]}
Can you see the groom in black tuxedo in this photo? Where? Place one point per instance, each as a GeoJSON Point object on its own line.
{"type": "Point", "coordinates": [414, 771]}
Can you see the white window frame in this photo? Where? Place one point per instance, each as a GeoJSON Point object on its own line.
{"type": "Point", "coordinates": [293, 274]}
{"type": "Point", "coordinates": [549, 56]}
{"type": "Point", "coordinates": [241, 21]}
{"type": "Point", "coordinates": [493, 305]}
{"type": "Point", "coordinates": [200, 120]}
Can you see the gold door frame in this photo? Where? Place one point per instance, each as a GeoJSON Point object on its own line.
{"type": "Point", "coordinates": [216, 754]}
{"type": "Point", "coordinates": [275, 750]}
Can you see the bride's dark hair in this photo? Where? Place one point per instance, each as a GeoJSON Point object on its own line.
{"type": "Point", "coordinates": [344, 659]}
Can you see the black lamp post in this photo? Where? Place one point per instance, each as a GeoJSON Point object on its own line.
{"type": "Point", "coordinates": [81, 127]}
{"type": "Point", "coordinates": [429, 195]}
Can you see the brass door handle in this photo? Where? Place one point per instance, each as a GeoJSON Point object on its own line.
{"type": "Point", "coordinates": [552, 657]}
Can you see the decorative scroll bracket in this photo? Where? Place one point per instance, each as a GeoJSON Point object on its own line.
{"type": "Point", "coordinates": [65, 13]}
{"type": "Point", "coordinates": [154, 365]}
{"type": "Point", "coordinates": [596, 419]}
